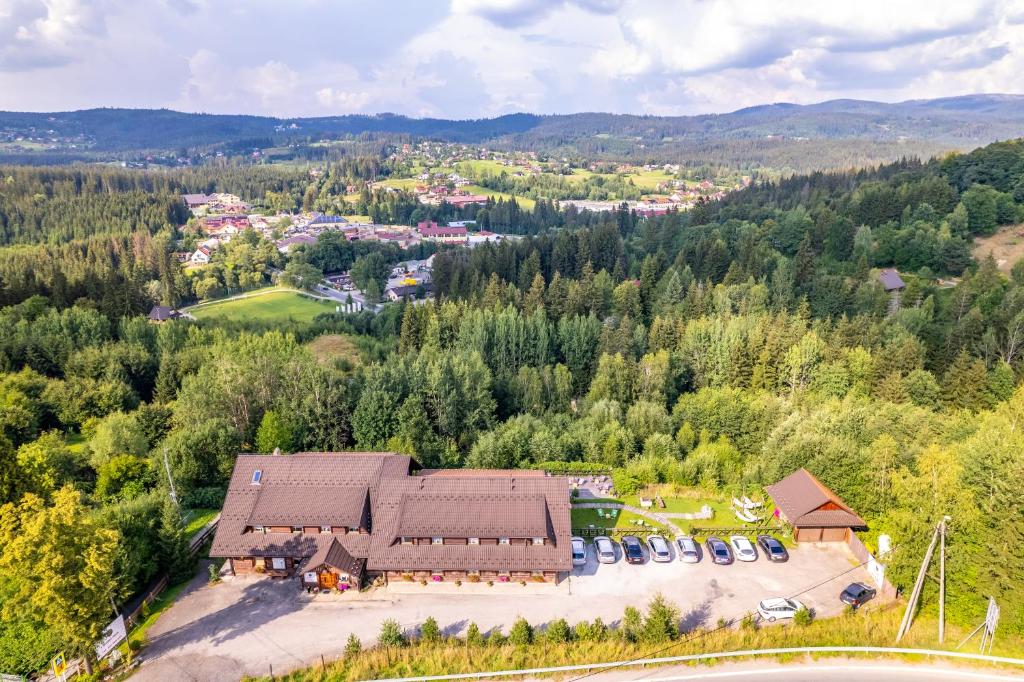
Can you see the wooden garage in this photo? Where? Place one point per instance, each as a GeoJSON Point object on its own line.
{"type": "Point", "coordinates": [816, 513]}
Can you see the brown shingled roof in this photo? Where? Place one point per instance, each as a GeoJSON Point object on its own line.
{"type": "Point", "coordinates": [472, 515]}
{"type": "Point", "coordinates": [288, 505]}
{"type": "Point", "coordinates": [805, 501]}
{"type": "Point", "coordinates": [315, 489]}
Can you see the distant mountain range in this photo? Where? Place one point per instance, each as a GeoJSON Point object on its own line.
{"type": "Point", "coordinates": [861, 130]}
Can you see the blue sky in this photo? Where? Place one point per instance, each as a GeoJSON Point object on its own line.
{"type": "Point", "coordinates": [481, 58]}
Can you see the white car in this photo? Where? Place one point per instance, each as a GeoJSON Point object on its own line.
{"type": "Point", "coordinates": [742, 548]}
{"type": "Point", "coordinates": [778, 607]}
{"type": "Point", "coordinates": [659, 549]}
{"type": "Point", "coordinates": [687, 549]}
{"type": "Point", "coordinates": [579, 552]}
{"type": "Point", "coordinates": [605, 549]}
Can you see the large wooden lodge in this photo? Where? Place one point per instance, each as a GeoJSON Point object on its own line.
{"type": "Point", "coordinates": [338, 519]}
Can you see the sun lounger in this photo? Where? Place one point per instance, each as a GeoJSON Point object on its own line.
{"type": "Point", "coordinates": [750, 504]}
{"type": "Point", "coordinates": [744, 516]}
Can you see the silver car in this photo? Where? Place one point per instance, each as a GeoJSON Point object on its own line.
{"type": "Point", "coordinates": [660, 551]}
{"type": "Point", "coordinates": [605, 549]}
{"type": "Point", "coordinates": [579, 552]}
{"type": "Point", "coordinates": [688, 550]}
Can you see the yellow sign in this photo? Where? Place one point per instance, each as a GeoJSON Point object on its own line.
{"type": "Point", "coordinates": [59, 663]}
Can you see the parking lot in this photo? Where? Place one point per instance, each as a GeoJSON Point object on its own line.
{"type": "Point", "coordinates": [245, 625]}
{"type": "Point", "coordinates": [706, 592]}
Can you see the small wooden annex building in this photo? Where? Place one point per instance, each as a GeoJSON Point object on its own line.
{"type": "Point", "coordinates": [816, 513]}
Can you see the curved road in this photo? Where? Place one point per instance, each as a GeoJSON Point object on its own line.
{"type": "Point", "coordinates": [819, 671]}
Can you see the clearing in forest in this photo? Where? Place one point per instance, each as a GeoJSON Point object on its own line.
{"type": "Point", "coordinates": [1006, 245]}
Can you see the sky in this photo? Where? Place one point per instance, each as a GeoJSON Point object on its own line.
{"type": "Point", "coordinates": [483, 58]}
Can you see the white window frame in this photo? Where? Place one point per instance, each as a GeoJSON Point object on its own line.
{"type": "Point", "coordinates": [325, 529]}
{"type": "Point", "coordinates": [538, 541]}
{"type": "Point", "coordinates": [504, 541]}
{"type": "Point", "coordinates": [472, 541]}
{"type": "Point", "coordinates": [259, 529]}
{"type": "Point", "coordinates": [436, 541]}
{"type": "Point", "coordinates": [278, 563]}
{"type": "Point", "coordinates": [406, 540]}
{"type": "Point", "coordinates": [296, 529]}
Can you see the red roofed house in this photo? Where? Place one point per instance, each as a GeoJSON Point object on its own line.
{"type": "Point", "coordinates": [459, 200]}
{"type": "Point", "coordinates": [336, 518]}
{"type": "Point", "coordinates": [816, 513]}
{"type": "Point", "coordinates": [448, 235]}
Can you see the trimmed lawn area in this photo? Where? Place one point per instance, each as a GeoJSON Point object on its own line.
{"type": "Point", "coordinates": [195, 519]}
{"type": "Point", "coordinates": [271, 306]}
{"type": "Point", "coordinates": [623, 521]}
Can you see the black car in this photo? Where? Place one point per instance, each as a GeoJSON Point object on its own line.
{"type": "Point", "coordinates": [718, 551]}
{"type": "Point", "coordinates": [857, 594]}
{"type": "Point", "coordinates": [772, 548]}
{"type": "Point", "coordinates": [632, 549]}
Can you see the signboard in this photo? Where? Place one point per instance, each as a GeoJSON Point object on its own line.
{"type": "Point", "coordinates": [876, 571]}
{"type": "Point", "coordinates": [59, 664]}
{"type": "Point", "coordinates": [114, 634]}
{"type": "Point", "coordinates": [310, 577]}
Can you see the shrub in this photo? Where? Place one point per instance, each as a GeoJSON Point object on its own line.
{"type": "Point", "coordinates": [474, 636]}
{"type": "Point", "coordinates": [803, 616]}
{"type": "Point", "coordinates": [496, 638]}
{"type": "Point", "coordinates": [474, 578]}
{"type": "Point", "coordinates": [352, 646]}
{"type": "Point", "coordinates": [748, 622]}
{"type": "Point", "coordinates": [423, 581]}
{"type": "Point", "coordinates": [558, 632]}
{"type": "Point", "coordinates": [661, 623]}
{"type": "Point", "coordinates": [632, 623]}
{"type": "Point", "coordinates": [407, 577]}
{"type": "Point", "coordinates": [591, 632]}
{"type": "Point", "coordinates": [429, 631]}
{"type": "Point", "coordinates": [391, 634]}
{"type": "Point", "coordinates": [204, 498]}
{"type": "Point", "coordinates": [458, 583]}
{"type": "Point", "coordinates": [521, 633]}
{"type": "Point", "coordinates": [214, 571]}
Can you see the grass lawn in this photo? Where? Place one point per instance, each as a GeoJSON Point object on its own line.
{"type": "Point", "coordinates": [331, 346]}
{"type": "Point", "coordinates": [624, 520]}
{"type": "Point", "coordinates": [274, 305]}
{"type": "Point", "coordinates": [476, 166]}
{"type": "Point", "coordinates": [195, 519]}
{"type": "Point", "coordinates": [75, 441]}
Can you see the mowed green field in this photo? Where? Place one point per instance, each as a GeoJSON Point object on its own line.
{"type": "Point", "coordinates": [277, 305]}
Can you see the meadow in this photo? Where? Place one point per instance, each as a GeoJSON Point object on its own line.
{"type": "Point", "coordinates": [271, 306]}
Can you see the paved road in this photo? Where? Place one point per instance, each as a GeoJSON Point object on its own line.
{"type": "Point", "coordinates": [819, 671]}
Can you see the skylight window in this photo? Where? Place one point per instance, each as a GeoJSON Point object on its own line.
{"type": "Point", "coordinates": [257, 476]}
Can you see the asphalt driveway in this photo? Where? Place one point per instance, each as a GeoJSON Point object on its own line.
{"type": "Point", "coordinates": [246, 625]}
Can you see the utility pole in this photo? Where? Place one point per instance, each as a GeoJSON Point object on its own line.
{"type": "Point", "coordinates": [942, 578]}
{"type": "Point", "coordinates": [170, 482]}
{"type": "Point", "coordinates": [915, 594]}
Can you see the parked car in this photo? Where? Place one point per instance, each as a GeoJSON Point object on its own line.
{"type": "Point", "coordinates": [778, 607]}
{"type": "Point", "coordinates": [579, 551]}
{"type": "Point", "coordinates": [718, 551]}
{"type": "Point", "coordinates": [632, 549]}
{"type": "Point", "coordinates": [688, 549]}
{"type": "Point", "coordinates": [605, 549]}
{"type": "Point", "coordinates": [857, 594]}
{"type": "Point", "coordinates": [660, 551]}
{"type": "Point", "coordinates": [772, 548]}
{"type": "Point", "coordinates": [742, 548]}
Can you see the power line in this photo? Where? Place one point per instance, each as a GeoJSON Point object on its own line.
{"type": "Point", "coordinates": [705, 633]}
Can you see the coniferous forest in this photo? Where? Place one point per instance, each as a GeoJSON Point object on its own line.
{"type": "Point", "coordinates": [721, 347]}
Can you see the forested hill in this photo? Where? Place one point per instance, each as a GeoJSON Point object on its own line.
{"type": "Point", "coordinates": [838, 133]}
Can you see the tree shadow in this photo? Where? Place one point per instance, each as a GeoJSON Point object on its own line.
{"type": "Point", "coordinates": [696, 617]}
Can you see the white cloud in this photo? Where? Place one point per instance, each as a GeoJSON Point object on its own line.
{"type": "Point", "coordinates": [487, 57]}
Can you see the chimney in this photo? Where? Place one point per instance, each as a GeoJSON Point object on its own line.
{"type": "Point", "coordinates": [277, 451]}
